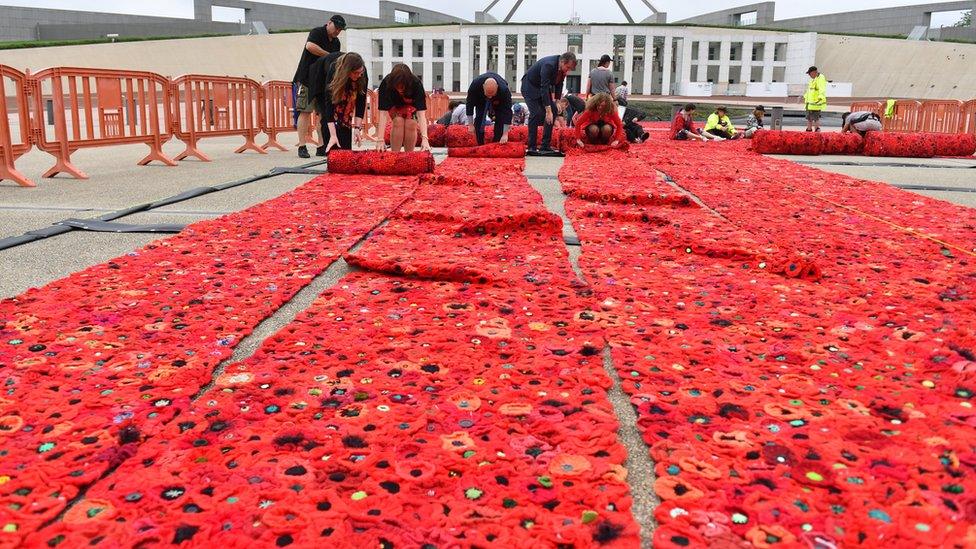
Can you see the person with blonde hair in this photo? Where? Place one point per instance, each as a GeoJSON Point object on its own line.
{"type": "Point", "coordinates": [599, 123]}
{"type": "Point", "coordinates": [402, 100]}
{"type": "Point", "coordinates": [339, 84]}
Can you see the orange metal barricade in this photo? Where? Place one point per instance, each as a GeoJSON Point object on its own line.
{"type": "Point", "coordinates": [98, 108]}
{"type": "Point", "coordinates": [967, 118]}
{"type": "Point", "coordinates": [215, 106]}
{"type": "Point", "coordinates": [276, 114]}
{"type": "Point", "coordinates": [905, 118]}
{"type": "Point", "coordinates": [941, 116]}
{"type": "Point", "coordinates": [14, 140]}
{"type": "Point", "coordinates": [437, 105]}
{"type": "Point", "coordinates": [877, 107]}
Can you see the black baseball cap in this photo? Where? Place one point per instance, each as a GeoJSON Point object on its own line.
{"type": "Point", "coordinates": [811, 69]}
{"type": "Point", "coordinates": [760, 108]}
{"type": "Point", "coordinates": [606, 58]}
{"type": "Point", "coordinates": [339, 21]}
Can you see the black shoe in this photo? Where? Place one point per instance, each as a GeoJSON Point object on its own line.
{"type": "Point", "coordinates": [641, 116]}
{"type": "Point", "coordinates": [531, 152]}
{"type": "Point", "coordinates": [320, 151]}
{"type": "Point", "coordinates": [549, 151]}
{"type": "Point", "coordinates": [303, 152]}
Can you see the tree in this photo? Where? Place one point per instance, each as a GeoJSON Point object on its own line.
{"type": "Point", "coordinates": [966, 20]}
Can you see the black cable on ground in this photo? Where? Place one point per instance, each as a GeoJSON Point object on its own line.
{"type": "Point", "coordinates": [68, 225]}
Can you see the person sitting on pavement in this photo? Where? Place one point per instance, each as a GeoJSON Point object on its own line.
{"type": "Point", "coordinates": [683, 125]}
{"type": "Point", "coordinates": [719, 126]}
{"type": "Point", "coordinates": [600, 124]}
{"type": "Point", "coordinates": [861, 122]}
{"type": "Point", "coordinates": [755, 122]}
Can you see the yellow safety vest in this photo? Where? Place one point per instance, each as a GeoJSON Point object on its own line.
{"type": "Point", "coordinates": [816, 96]}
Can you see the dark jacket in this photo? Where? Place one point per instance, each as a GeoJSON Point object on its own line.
{"type": "Point", "coordinates": [542, 82]}
{"type": "Point", "coordinates": [501, 104]}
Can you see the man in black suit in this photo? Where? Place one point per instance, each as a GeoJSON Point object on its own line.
{"type": "Point", "coordinates": [489, 94]}
{"type": "Point", "coordinates": [542, 85]}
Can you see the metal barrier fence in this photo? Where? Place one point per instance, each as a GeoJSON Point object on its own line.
{"type": "Point", "coordinates": [216, 106]}
{"type": "Point", "coordinates": [14, 141]}
{"type": "Point", "coordinates": [933, 116]}
{"type": "Point", "coordinates": [99, 108]}
{"type": "Point", "coordinates": [940, 116]}
{"type": "Point", "coordinates": [276, 116]}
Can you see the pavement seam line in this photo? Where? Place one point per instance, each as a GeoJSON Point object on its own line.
{"type": "Point", "coordinates": [639, 465]}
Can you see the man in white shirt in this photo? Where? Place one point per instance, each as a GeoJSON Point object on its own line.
{"type": "Point", "coordinates": [623, 92]}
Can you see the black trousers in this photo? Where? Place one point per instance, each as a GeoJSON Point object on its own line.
{"type": "Point", "coordinates": [479, 126]}
{"type": "Point", "coordinates": [343, 134]}
{"type": "Point", "coordinates": [537, 115]}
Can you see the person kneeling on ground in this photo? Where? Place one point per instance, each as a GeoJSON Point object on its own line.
{"type": "Point", "coordinates": [600, 124]}
{"type": "Point", "coordinates": [755, 122]}
{"type": "Point", "coordinates": [683, 125]}
{"type": "Point", "coordinates": [402, 98]}
{"type": "Point", "coordinates": [635, 132]}
{"type": "Point", "coordinates": [719, 126]}
{"type": "Point", "coordinates": [861, 122]}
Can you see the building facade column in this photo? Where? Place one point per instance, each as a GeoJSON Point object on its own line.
{"type": "Point", "coordinates": [685, 63]}
{"type": "Point", "coordinates": [483, 58]}
{"type": "Point", "coordinates": [725, 60]}
{"type": "Point", "coordinates": [502, 48]}
{"type": "Point", "coordinates": [629, 58]}
{"type": "Point", "coordinates": [428, 63]}
{"type": "Point", "coordinates": [702, 75]}
{"type": "Point", "coordinates": [519, 62]}
{"type": "Point", "coordinates": [449, 64]}
{"type": "Point", "coordinates": [769, 53]}
{"type": "Point", "coordinates": [466, 54]}
{"type": "Point", "coordinates": [647, 86]}
{"type": "Point", "coordinates": [746, 75]}
{"type": "Point", "coordinates": [387, 55]}
{"type": "Point", "coordinates": [668, 60]}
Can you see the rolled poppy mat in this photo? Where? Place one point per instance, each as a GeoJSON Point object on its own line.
{"type": "Point", "coordinates": [842, 143]}
{"type": "Point", "coordinates": [788, 142]}
{"type": "Point", "coordinates": [380, 162]}
{"type": "Point", "coordinates": [461, 136]}
{"type": "Point", "coordinates": [919, 145]}
{"type": "Point", "coordinates": [490, 150]}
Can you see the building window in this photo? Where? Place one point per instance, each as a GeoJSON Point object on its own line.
{"type": "Point", "coordinates": [492, 52]}
{"type": "Point", "coordinates": [736, 51]}
{"type": "Point", "coordinates": [758, 52]}
{"type": "Point", "coordinates": [511, 57]}
{"type": "Point", "coordinates": [619, 47]}
{"type": "Point", "coordinates": [694, 51]}
{"type": "Point", "coordinates": [418, 48]}
{"type": "Point", "coordinates": [457, 48]}
{"type": "Point", "coordinates": [714, 51]}
{"type": "Point", "coordinates": [779, 74]}
{"type": "Point", "coordinates": [398, 48]}
{"type": "Point", "coordinates": [780, 52]}
{"type": "Point", "coordinates": [757, 73]}
{"type": "Point", "coordinates": [418, 69]}
{"type": "Point", "coordinates": [531, 49]}
{"type": "Point", "coordinates": [438, 48]}
{"type": "Point", "coordinates": [475, 53]}
{"type": "Point", "coordinates": [400, 16]}
{"type": "Point", "coordinates": [377, 48]}
{"type": "Point", "coordinates": [746, 19]}
{"type": "Point", "coordinates": [735, 74]}
{"type": "Point", "coordinates": [574, 43]}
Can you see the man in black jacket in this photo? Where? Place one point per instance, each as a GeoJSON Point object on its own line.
{"type": "Point", "coordinates": [489, 93]}
{"type": "Point", "coordinates": [542, 85]}
{"type": "Point", "coordinates": [321, 41]}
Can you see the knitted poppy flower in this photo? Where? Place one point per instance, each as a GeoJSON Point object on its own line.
{"type": "Point", "coordinates": [380, 162]}
{"type": "Point", "coordinates": [490, 150]}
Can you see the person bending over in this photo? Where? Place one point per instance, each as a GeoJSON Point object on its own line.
{"type": "Point", "coordinates": [600, 124]}
{"type": "Point", "coordinates": [861, 122]}
{"type": "Point", "coordinates": [489, 94]}
{"type": "Point", "coordinates": [542, 85]}
{"type": "Point", "coordinates": [344, 103]}
{"type": "Point", "coordinates": [403, 100]}
{"type": "Point", "coordinates": [683, 125]}
{"type": "Point", "coordinates": [320, 42]}
{"type": "Point", "coordinates": [719, 126]}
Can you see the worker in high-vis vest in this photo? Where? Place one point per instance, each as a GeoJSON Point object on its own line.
{"type": "Point", "coordinates": [815, 98]}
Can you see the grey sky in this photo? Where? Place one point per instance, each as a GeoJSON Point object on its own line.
{"type": "Point", "coordinates": [532, 10]}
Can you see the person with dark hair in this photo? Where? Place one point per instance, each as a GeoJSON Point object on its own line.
{"type": "Point", "coordinates": [445, 119]}
{"type": "Point", "coordinates": [542, 85]}
{"type": "Point", "coordinates": [402, 99]}
{"type": "Point", "coordinates": [489, 95]}
{"type": "Point", "coordinates": [755, 122]}
{"type": "Point", "coordinates": [635, 132]}
{"type": "Point", "coordinates": [719, 126]}
{"type": "Point", "coordinates": [622, 93]}
{"type": "Point", "coordinates": [861, 122]}
{"type": "Point", "coordinates": [320, 42]}
{"type": "Point", "coordinates": [601, 78]}
{"type": "Point", "coordinates": [571, 105]}
{"type": "Point", "coordinates": [683, 126]}
{"type": "Point", "coordinates": [342, 102]}
{"type": "Point", "coordinates": [815, 98]}
{"type": "Point", "coordinates": [600, 124]}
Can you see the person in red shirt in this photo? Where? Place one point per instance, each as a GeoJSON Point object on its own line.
{"type": "Point", "coordinates": [683, 126]}
{"type": "Point", "coordinates": [600, 124]}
